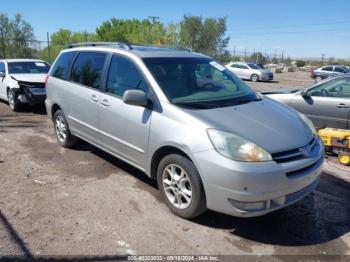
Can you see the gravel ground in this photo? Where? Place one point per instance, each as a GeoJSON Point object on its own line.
{"type": "Point", "coordinates": [84, 203]}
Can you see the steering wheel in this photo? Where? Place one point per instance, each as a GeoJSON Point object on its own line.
{"type": "Point", "coordinates": [325, 92]}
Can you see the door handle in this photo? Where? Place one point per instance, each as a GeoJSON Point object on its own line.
{"type": "Point", "coordinates": [93, 98]}
{"type": "Point", "coordinates": [342, 106]}
{"type": "Point", "coordinates": [105, 102]}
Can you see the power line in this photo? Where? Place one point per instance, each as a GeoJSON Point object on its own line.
{"type": "Point", "coordinates": [298, 32]}
{"type": "Point", "coordinates": [290, 26]}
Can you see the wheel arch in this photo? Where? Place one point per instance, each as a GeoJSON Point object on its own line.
{"type": "Point", "coordinates": [160, 153]}
{"type": "Point", "coordinates": [54, 108]}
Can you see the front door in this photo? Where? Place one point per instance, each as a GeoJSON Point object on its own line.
{"type": "Point", "coordinates": [124, 129]}
{"type": "Point", "coordinates": [327, 104]}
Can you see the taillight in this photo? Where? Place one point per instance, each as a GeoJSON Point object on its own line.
{"type": "Point", "coordinates": [312, 72]}
{"type": "Point", "coordinates": [46, 78]}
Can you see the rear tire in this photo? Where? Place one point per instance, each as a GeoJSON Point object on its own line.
{"type": "Point", "coordinates": [254, 78]}
{"type": "Point", "coordinates": [181, 187]}
{"type": "Point", "coordinates": [318, 79]}
{"type": "Point", "coordinates": [61, 128]}
{"type": "Point", "coordinates": [13, 101]}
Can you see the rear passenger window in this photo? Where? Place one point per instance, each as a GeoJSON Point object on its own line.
{"type": "Point", "coordinates": [62, 65]}
{"type": "Point", "coordinates": [88, 68]}
{"type": "Point", "coordinates": [124, 75]}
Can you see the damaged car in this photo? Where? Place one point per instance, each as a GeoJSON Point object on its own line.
{"type": "Point", "coordinates": [22, 81]}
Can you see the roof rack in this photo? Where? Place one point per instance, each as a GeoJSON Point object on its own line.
{"type": "Point", "coordinates": [115, 44]}
{"type": "Point", "coordinates": [163, 46]}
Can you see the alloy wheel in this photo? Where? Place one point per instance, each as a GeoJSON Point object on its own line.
{"type": "Point", "coordinates": [61, 128]}
{"type": "Point", "coordinates": [177, 186]}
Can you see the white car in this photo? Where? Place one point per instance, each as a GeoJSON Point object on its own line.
{"type": "Point", "coordinates": [22, 81]}
{"type": "Point", "coordinates": [250, 71]}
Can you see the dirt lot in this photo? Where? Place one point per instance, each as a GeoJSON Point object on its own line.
{"type": "Point", "coordinates": [85, 203]}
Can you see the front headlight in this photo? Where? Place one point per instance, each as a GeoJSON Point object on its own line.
{"type": "Point", "coordinates": [236, 147]}
{"type": "Point", "coordinates": [308, 122]}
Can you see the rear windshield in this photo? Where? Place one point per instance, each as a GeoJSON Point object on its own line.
{"type": "Point", "coordinates": [28, 67]}
{"type": "Point", "coordinates": [199, 82]}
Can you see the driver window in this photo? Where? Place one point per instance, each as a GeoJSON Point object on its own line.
{"type": "Point", "coordinates": [124, 75]}
{"type": "Point", "coordinates": [333, 88]}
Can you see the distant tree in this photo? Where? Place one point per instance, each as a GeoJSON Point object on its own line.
{"type": "Point", "coordinates": [62, 38]}
{"type": "Point", "coordinates": [136, 31]}
{"type": "Point", "coordinates": [258, 58]}
{"type": "Point", "coordinates": [288, 61]}
{"type": "Point", "coordinates": [300, 63]}
{"type": "Point", "coordinates": [204, 35]}
{"type": "Point", "coordinates": [16, 37]}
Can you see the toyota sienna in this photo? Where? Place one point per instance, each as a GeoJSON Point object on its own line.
{"type": "Point", "coordinates": [182, 118]}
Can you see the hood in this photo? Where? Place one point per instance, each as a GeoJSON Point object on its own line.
{"type": "Point", "coordinates": [267, 123]}
{"type": "Point", "coordinates": [35, 78]}
{"type": "Point", "coordinates": [282, 90]}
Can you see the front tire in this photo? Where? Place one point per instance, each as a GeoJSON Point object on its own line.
{"type": "Point", "coordinates": [63, 135]}
{"type": "Point", "coordinates": [181, 187]}
{"type": "Point", "coordinates": [254, 78]}
{"type": "Point", "coordinates": [13, 101]}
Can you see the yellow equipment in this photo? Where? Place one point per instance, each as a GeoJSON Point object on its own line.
{"type": "Point", "coordinates": [337, 141]}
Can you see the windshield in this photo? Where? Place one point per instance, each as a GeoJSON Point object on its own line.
{"type": "Point", "coordinates": [28, 68]}
{"type": "Point", "coordinates": [253, 66]}
{"type": "Point", "coordinates": [199, 82]}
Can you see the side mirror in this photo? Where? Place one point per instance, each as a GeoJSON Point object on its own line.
{"type": "Point", "coordinates": [2, 74]}
{"type": "Point", "coordinates": [135, 98]}
{"type": "Point", "coordinates": [305, 94]}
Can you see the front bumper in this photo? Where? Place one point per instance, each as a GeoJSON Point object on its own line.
{"type": "Point", "coordinates": [267, 77]}
{"type": "Point", "coordinates": [268, 186]}
{"type": "Point", "coordinates": [32, 96]}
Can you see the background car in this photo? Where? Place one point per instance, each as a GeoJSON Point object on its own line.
{"type": "Point", "coordinates": [328, 71]}
{"type": "Point", "coordinates": [327, 104]}
{"type": "Point", "coordinates": [22, 81]}
{"type": "Point", "coordinates": [250, 71]}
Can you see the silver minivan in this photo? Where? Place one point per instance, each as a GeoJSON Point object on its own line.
{"type": "Point", "coordinates": [182, 118]}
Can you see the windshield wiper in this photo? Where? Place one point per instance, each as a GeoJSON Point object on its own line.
{"type": "Point", "coordinates": [195, 105]}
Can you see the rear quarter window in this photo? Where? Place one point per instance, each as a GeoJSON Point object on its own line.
{"type": "Point", "coordinates": [61, 67]}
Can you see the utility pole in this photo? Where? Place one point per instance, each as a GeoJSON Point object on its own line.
{"type": "Point", "coordinates": [48, 45]}
{"type": "Point", "coordinates": [234, 51]}
{"type": "Point", "coordinates": [245, 54]}
{"type": "Point", "coordinates": [153, 18]}
{"type": "Point", "coordinates": [276, 56]}
{"type": "Point", "coordinates": [3, 43]}
{"type": "Point", "coordinates": [323, 56]}
{"type": "Point", "coordinates": [282, 55]}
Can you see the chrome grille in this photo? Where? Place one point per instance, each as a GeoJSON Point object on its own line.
{"type": "Point", "coordinates": [295, 154]}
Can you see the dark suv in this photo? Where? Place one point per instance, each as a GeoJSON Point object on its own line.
{"type": "Point", "coordinates": [327, 71]}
